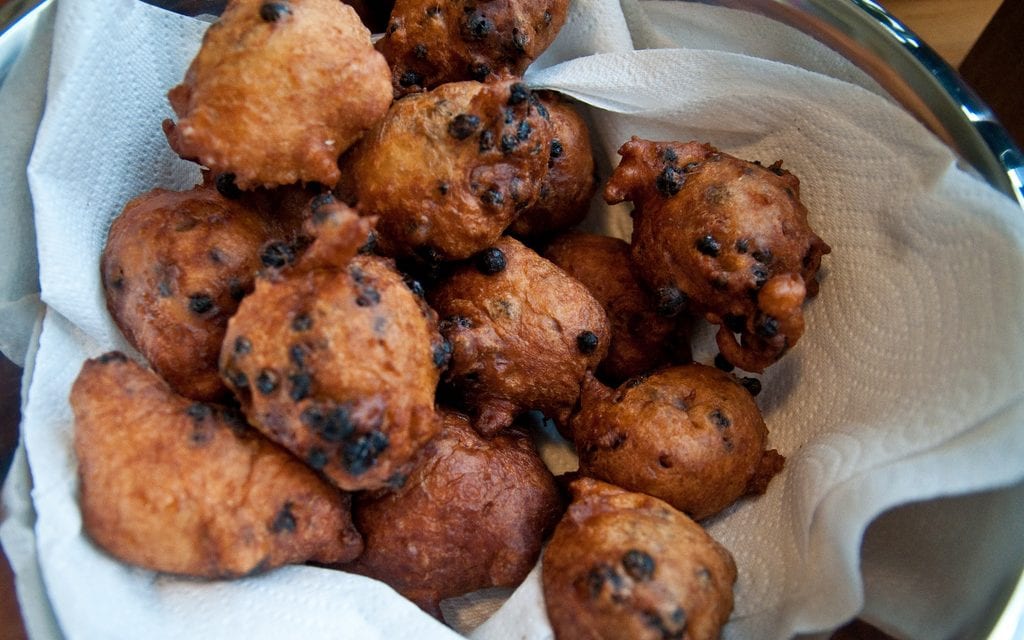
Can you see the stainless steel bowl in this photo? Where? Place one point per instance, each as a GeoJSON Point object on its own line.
{"type": "Point", "coordinates": [866, 34]}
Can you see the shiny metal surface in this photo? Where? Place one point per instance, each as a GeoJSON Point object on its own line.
{"type": "Point", "coordinates": [866, 34]}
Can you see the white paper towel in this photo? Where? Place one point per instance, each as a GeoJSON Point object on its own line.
{"type": "Point", "coordinates": [907, 385]}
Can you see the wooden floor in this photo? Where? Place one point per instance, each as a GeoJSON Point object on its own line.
{"type": "Point", "coordinates": [949, 26]}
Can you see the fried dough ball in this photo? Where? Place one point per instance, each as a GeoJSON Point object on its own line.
{"type": "Point", "coordinates": [278, 91]}
{"type": "Point", "coordinates": [689, 435]}
{"type": "Point", "coordinates": [174, 269]}
{"type": "Point", "coordinates": [642, 340]}
{"type": "Point", "coordinates": [727, 236]}
{"type": "Point", "coordinates": [447, 171]}
{"type": "Point", "coordinates": [335, 358]}
{"type": "Point", "coordinates": [429, 43]}
{"type": "Point", "coordinates": [472, 515]}
{"type": "Point", "coordinates": [523, 333]}
{"type": "Point", "coordinates": [568, 186]}
{"type": "Point", "coordinates": [628, 566]}
{"type": "Point", "coordinates": [184, 487]}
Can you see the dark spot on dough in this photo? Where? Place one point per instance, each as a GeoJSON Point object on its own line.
{"type": "Point", "coordinates": [670, 181]}
{"type": "Point", "coordinates": [742, 245]}
{"type": "Point", "coordinates": [639, 565]}
{"type": "Point", "coordinates": [297, 354]}
{"type": "Point", "coordinates": [719, 419]}
{"type": "Point", "coordinates": [163, 288]}
{"type": "Point", "coordinates": [300, 386]}
{"type": "Point", "coordinates": [236, 290]}
{"type": "Point", "coordinates": [277, 254]}
{"type": "Point", "coordinates": [331, 424]}
{"type": "Point", "coordinates": [669, 155]}
{"type": "Point", "coordinates": [768, 327]}
{"type": "Point", "coordinates": [360, 454]}
{"type": "Point", "coordinates": [200, 303]}
{"type": "Point", "coordinates": [284, 521]}
{"type": "Point", "coordinates": [716, 194]}
{"type": "Point", "coordinates": [237, 379]}
{"type": "Point", "coordinates": [419, 51]}
{"type": "Point", "coordinates": [491, 261]}
{"type": "Point", "coordinates": [434, 11]}
{"type": "Point", "coordinates": [518, 94]}
{"type": "Point", "coordinates": [370, 246]}
{"type": "Point", "coordinates": [225, 182]}
{"type": "Point", "coordinates": [242, 346]}
{"type": "Point", "coordinates": [266, 382]}
{"type": "Point", "coordinates": [443, 188]}
{"type": "Point", "coordinates": [274, 11]}
{"type": "Point", "coordinates": [587, 342]}
{"type": "Point", "coordinates": [463, 125]}
{"type": "Point", "coordinates": [523, 131]}
{"type": "Point", "coordinates": [199, 411]}
{"type": "Point", "coordinates": [665, 461]}
{"type": "Point", "coordinates": [479, 71]}
{"type": "Point", "coordinates": [708, 245]}
{"type": "Point", "coordinates": [509, 143]}
{"type": "Point", "coordinates": [410, 78]}
{"type": "Point", "coordinates": [519, 40]}
{"type": "Point", "coordinates": [302, 322]}
{"type": "Point", "coordinates": [557, 150]}
{"type": "Point", "coordinates": [442, 354]}
{"type": "Point", "coordinates": [486, 141]}
{"type": "Point", "coordinates": [414, 286]}
{"type": "Point", "coordinates": [671, 301]}
{"type": "Point", "coordinates": [752, 385]}
{"type": "Point", "coordinates": [478, 26]}
{"type": "Point", "coordinates": [493, 196]}
{"type": "Point", "coordinates": [760, 275]}
{"type": "Point", "coordinates": [316, 458]}
{"type": "Point", "coordinates": [764, 256]}
{"type": "Point", "coordinates": [368, 297]}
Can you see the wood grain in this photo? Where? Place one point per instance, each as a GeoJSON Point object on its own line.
{"type": "Point", "coordinates": [949, 26]}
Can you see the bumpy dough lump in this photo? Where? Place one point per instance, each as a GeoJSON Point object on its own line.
{"type": "Point", "coordinates": [523, 334]}
{"type": "Point", "coordinates": [628, 566]}
{"type": "Point", "coordinates": [472, 515]}
{"type": "Point", "coordinates": [642, 340]}
{"type": "Point", "coordinates": [184, 487]}
{"type": "Point", "coordinates": [447, 171]}
{"type": "Point", "coordinates": [689, 435]}
{"type": "Point", "coordinates": [336, 359]}
{"type": "Point", "coordinates": [728, 237]}
{"type": "Point", "coordinates": [566, 190]}
{"type": "Point", "coordinates": [175, 267]}
{"type": "Point", "coordinates": [278, 91]}
{"type": "Point", "coordinates": [430, 42]}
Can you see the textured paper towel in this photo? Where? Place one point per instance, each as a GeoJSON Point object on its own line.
{"type": "Point", "coordinates": [906, 386]}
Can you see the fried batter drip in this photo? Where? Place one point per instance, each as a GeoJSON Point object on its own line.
{"type": "Point", "coordinates": [523, 334]}
{"type": "Point", "coordinates": [688, 435]}
{"type": "Point", "coordinates": [278, 91]}
{"type": "Point", "coordinates": [568, 186]}
{"type": "Point", "coordinates": [174, 269]}
{"type": "Point", "coordinates": [642, 340]}
{"type": "Point", "coordinates": [628, 566]}
{"type": "Point", "coordinates": [726, 236]}
{"type": "Point", "coordinates": [336, 359]}
{"type": "Point", "coordinates": [429, 43]}
{"type": "Point", "coordinates": [473, 514]}
{"type": "Point", "coordinates": [447, 171]}
{"type": "Point", "coordinates": [184, 487]}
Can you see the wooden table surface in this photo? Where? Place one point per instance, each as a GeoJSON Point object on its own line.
{"type": "Point", "coordinates": [995, 68]}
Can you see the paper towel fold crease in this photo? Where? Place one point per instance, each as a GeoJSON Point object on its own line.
{"type": "Point", "coordinates": [906, 386]}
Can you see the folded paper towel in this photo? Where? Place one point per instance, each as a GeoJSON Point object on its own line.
{"type": "Point", "coordinates": [906, 386]}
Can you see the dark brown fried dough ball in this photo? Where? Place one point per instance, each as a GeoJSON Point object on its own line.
{"type": "Point", "coordinates": [184, 487]}
{"type": "Point", "coordinates": [568, 186]}
{"type": "Point", "coordinates": [689, 435]}
{"type": "Point", "coordinates": [642, 340]}
{"type": "Point", "coordinates": [447, 171]}
{"type": "Point", "coordinates": [174, 269]}
{"type": "Point", "coordinates": [335, 358]}
{"type": "Point", "coordinates": [727, 236]}
{"type": "Point", "coordinates": [263, 102]}
{"type": "Point", "coordinates": [429, 42]}
{"type": "Point", "coordinates": [472, 515]}
{"type": "Point", "coordinates": [523, 333]}
{"type": "Point", "coordinates": [628, 566]}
